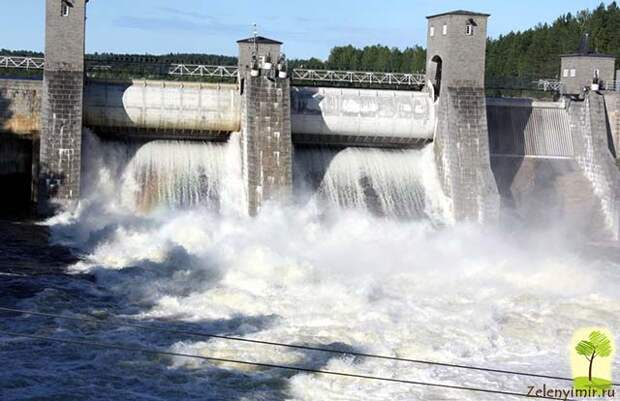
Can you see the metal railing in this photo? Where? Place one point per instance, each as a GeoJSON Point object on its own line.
{"type": "Point", "coordinates": [359, 77]}
{"type": "Point", "coordinates": [612, 86]}
{"type": "Point", "coordinates": [550, 85]}
{"type": "Point", "coordinates": [196, 70]}
{"type": "Point", "coordinates": [27, 63]}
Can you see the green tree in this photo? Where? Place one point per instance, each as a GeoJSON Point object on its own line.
{"type": "Point", "coordinates": [597, 345]}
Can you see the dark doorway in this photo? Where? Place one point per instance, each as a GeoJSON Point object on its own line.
{"type": "Point", "coordinates": [438, 67]}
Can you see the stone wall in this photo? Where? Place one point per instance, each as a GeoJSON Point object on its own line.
{"type": "Point", "coordinates": [590, 137]}
{"type": "Point", "coordinates": [612, 105]}
{"type": "Point", "coordinates": [266, 140]}
{"type": "Point", "coordinates": [61, 137]}
{"type": "Point", "coordinates": [61, 112]}
{"type": "Point", "coordinates": [20, 106]}
{"type": "Point", "coordinates": [584, 67]}
{"type": "Point", "coordinates": [462, 155]}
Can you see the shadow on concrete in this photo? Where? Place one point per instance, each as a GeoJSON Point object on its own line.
{"type": "Point", "coordinates": [539, 190]}
{"type": "Point", "coordinates": [507, 147]}
{"type": "Point", "coordinates": [310, 165]}
{"type": "Point", "coordinates": [16, 167]}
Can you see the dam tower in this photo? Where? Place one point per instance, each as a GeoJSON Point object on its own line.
{"type": "Point", "coordinates": [266, 138]}
{"type": "Point", "coordinates": [61, 114]}
{"type": "Point", "coordinates": [455, 72]}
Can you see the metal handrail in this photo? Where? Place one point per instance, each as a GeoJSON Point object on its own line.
{"type": "Point", "coordinates": [28, 63]}
{"type": "Point", "coordinates": [361, 77]}
{"type": "Point", "coordinates": [197, 70]}
{"type": "Point", "coordinates": [551, 85]}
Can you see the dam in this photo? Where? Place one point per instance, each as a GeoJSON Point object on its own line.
{"type": "Point", "coordinates": [538, 160]}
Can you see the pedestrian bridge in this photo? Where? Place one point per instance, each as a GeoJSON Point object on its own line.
{"type": "Point", "coordinates": [299, 76]}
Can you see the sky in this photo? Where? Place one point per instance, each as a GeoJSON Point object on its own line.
{"type": "Point", "coordinates": [307, 28]}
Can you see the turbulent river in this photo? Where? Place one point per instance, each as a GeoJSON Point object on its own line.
{"type": "Point", "coordinates": [363, 260]}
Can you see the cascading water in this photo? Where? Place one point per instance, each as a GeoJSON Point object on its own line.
{"type": "Point", "coordinates": [393, 183]}
{"type": "Point", "coordinates": [349, 280]}
{"type": "Point", "coordinates": [169, 174]}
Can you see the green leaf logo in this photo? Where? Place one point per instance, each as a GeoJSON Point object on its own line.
{"type": "Point", "coordinates": [593, 351]}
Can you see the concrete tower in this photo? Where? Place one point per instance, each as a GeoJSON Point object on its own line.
{"type": "Point", "coordinates": [265, 122]}
{"type": "Point", "coordinates": [579, 70]}
{"type": "Point", "coordinates": [456, 69]}
{"type": "Point", "coordinates": [61, 114]}
{"type": "Point", "coordinates": [260, 47]}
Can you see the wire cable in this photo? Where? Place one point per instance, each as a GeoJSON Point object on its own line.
{"type": "Point", "coordinates": [275, 366]}
{"type": "Point", "coordinates": [292, 346]}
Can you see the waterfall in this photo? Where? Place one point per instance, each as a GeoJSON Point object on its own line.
{"type": "Point", "coordinates": [166, 174]}
{"type": "Point", "coordinates": [181, 175]}
{"type": "Point", "coordinates": [393, 183]}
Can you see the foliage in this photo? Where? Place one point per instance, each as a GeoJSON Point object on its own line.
{"type": "Point", "coordinates": [535, 53]}
{"type": "Point", "coordinates": [597, 345]}
{"type": "Point", "coordinates": [370, 58]}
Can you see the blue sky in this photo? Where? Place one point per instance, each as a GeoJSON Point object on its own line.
{"type": "Point", "coordinates": [308, 28]}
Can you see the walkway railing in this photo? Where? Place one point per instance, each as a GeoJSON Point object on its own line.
{"type": "Point", "coordinates": [29, 63]}
{"type": "Point", "coordinates": [299, 75]}
{"type": "Point", "coordinates": [613, 86]}
{"type": "Point", "coordinates": [359, 77]}
{"type": "Point", "coordinates": [196, 70]}
{"type": "Point", "coordinates": [550, 85]}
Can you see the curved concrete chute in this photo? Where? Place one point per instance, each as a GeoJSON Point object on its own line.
{"type": "Point", "coordinates": [163, 106]}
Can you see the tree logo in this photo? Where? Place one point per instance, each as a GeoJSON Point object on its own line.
{"type": "Point", "coordinates": [592, 358]}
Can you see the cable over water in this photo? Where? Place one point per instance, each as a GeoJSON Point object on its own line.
{"type": "Point", "coordinates": [275, 366]}
{"type": "Point", "coordinates": [278, 344]}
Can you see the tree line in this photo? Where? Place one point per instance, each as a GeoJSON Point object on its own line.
{"type": "Point", "coordinates": [530, 54]}
{"type": "Point", "coordinates": [535, 53]}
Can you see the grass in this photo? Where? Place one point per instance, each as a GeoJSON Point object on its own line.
{"type": "Point", "coordinates": [583, 383]}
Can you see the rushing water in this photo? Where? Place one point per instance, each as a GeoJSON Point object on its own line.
{"type": "Point", "coordinates": [369, 282]}
{"type": "Point", "coordinates": [392, 183]}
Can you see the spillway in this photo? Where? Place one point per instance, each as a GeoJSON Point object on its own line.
{"type": "Point", "coordinates": [163, 174]}
{"type": "Point", "coordinates": [392, 183]}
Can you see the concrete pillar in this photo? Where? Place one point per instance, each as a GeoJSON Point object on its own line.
{"type": "Point", "coordinates": [456, 69]}
{"type": "Point", "coordinates": [589, 131]}
{"type": "Point", "coordinates": [266, 133]}
{"type": "Point", "coordinates": [61, 114]}
{"type": "Point", "coordinates": [612, 106]}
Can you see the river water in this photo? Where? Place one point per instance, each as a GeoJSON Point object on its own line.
{"type": "Point", "coordinates": [356, 263]}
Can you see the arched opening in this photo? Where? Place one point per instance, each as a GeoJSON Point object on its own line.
{"type": "Point", "coordinates": [437, 65]}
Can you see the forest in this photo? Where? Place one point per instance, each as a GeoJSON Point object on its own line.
{"type": "Point", "coordinates": [531, 54]}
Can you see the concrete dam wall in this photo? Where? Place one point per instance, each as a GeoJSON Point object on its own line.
{"type": "Point", "coordinates": [520, 127]}
{"type": "Point", "coordinates": [552, 162]}
{"type": "Point", "coordinates": [20, 106]}
{"type": "Point", "coordinates": [549, 159]}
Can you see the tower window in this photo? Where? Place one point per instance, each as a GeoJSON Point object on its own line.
{"type": "Point", "coordinates": [566, 73]}
{"type": "Point", "coordinates": [469, 30]}
{"type": "Point", "coordinates": [65, 8]}
{"type": "Point", "coordinates": [445, 29]}
{"type": "Point", "coordinates": [573, 73]}
{"type": "Point", "coordinates": [432, 31]}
